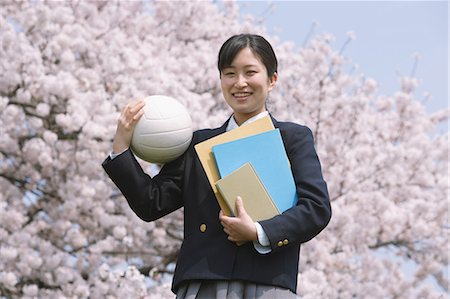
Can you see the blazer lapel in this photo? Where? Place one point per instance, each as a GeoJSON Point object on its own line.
{"type": "Point", "coordinates": [275, 122]}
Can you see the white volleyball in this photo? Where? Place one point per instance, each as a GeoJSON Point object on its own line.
{"type": "Point", "coordinates": [164, 132]}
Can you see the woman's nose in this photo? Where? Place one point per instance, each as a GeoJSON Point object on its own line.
{"type": "Point", "coordinates": [241, 82]}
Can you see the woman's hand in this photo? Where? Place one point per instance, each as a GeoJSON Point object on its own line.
{"type": "Point", "coordinates": [240, 229]}
{"type": "Point", "coordinates": [128, 119]}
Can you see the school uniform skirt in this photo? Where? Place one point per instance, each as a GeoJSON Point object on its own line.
{"type": "Point", "coordinates": [214, 289]}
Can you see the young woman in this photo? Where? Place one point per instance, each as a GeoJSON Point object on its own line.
{"type": "Point", "coordinates": [229, 257]}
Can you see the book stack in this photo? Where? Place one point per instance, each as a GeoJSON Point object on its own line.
{"type": "Point", "coordinates": [250, 162]}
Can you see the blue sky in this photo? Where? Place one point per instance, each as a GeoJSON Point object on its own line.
{"type": "Point", "coordinates": [388, 35]}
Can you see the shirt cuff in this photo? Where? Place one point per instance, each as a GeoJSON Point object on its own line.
{"type": "Point", "coordinates": [263, 243]}
{"type": "Point", "coordinates": [112, 155]}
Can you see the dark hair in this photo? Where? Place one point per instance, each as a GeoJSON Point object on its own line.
{"type": "Point", "coordinates": [256, 43]}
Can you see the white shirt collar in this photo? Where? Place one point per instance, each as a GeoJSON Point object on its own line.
{"type": "Point", "coordinates": [233, 125]}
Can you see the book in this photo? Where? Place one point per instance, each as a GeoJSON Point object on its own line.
{"type": "Point", "coordinates": [244, 182]}
{"type": "Point", "coordinates": [204, 151]}
{"type": "Point", "coordinates": [266, 153]}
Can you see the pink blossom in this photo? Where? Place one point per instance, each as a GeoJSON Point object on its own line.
{"type": "Point", "coordinates": [8, 279]}
{"type": "Point", "coordinates": [8, 253]}
{"type": "Point", "coordinates": [119, 232]}
{"type": "Point", "coordinates": [351, 35]}
{"type": "Point", "coordinates": [30, 290]}
{"type": "Point", "coordinates": [42, 109]}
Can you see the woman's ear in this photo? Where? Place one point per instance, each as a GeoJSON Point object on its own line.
{"type": "Point", "coordinates": [273, 80]}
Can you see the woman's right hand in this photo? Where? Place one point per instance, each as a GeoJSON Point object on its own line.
{"type": "Point", "coordinates": [128, 119]}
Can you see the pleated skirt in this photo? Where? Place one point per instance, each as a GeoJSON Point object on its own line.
{"type": "Point", "coordinates": [231, 290]}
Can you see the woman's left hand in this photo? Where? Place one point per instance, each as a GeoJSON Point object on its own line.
{"type": "Point", "coordinates": [240, 229]}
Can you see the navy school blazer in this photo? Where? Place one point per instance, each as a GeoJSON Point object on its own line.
{"type": "Point", "coordinates": [206, 253]}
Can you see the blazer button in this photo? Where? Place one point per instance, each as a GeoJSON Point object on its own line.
{"type": "Point", "coordinates": [280, 243]}
{"type": "Point", "coordinates": [285, 241]}
{"type": "Point", "coordinates": [203, 227]}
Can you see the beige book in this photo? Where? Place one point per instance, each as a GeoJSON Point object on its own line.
{"type": "Point", "coordinates": [244, 182]}
{"type": "Point", "coordinates": [204, 151]}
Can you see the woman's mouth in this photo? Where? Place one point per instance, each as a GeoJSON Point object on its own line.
{"type": "Point", "coordinates": [241, 95]}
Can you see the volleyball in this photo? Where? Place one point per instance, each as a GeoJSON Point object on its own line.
{"type": "Point", "coordinates": [164, 131]}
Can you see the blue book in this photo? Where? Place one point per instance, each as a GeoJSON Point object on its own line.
{"type": "Point", "coordinates": [266, 153]}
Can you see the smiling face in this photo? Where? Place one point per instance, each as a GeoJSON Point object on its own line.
{"type": "Point", "coordinates": [245, 85]}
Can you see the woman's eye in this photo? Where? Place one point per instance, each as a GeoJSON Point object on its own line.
{"type": "Point", "coordinates": [251, 72]}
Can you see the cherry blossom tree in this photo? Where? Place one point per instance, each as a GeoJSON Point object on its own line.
{"type": "Point", "coordinates": [67, 69]}
{"type": "Point", "coordinates": [387, 170]}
